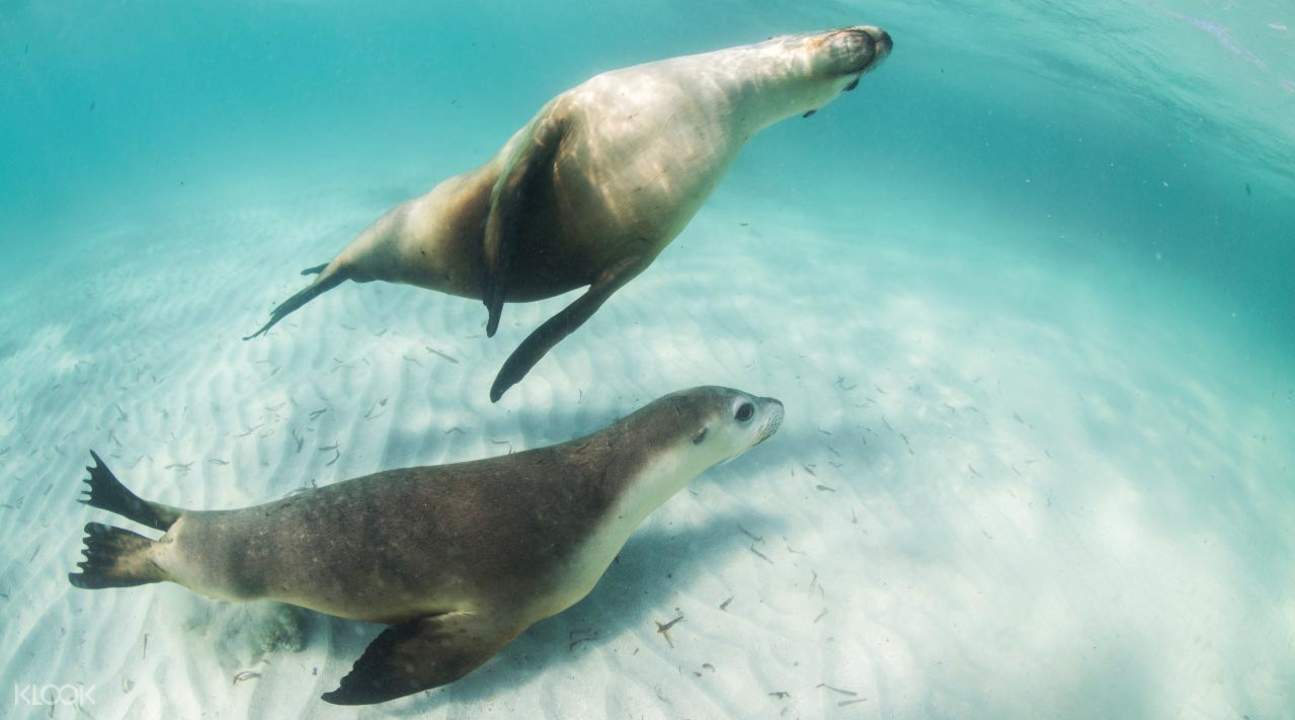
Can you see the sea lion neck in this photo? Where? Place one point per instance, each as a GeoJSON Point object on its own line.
{"type": "Point", "coordinates": [762, 84]}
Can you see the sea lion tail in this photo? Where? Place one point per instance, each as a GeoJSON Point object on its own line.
{"type": "Point", "coordinates": [115, 558]}
{"type": "Point", "coordinates": [322, 284]}
{"type": "Point", "coordinates": [107, 493]}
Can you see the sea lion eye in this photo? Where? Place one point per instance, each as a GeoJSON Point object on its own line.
{"type": "Point", "coordinates": [696, 439]}
{"type": "Point", "coordinates": [745, 412]}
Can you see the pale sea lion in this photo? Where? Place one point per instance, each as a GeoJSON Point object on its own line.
{"type": "Point", "coordinates": [597, 183]}
{"type": "Point", "coordinates": [457, 559]}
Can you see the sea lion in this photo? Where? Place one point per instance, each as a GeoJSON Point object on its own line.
{"type": "Point", "coordinates": [596, 184]}
{"type": "Point", "coordinates": [457, 559]}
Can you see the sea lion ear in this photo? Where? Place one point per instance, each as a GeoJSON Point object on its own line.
{"type": "Point", "coordinates": [522, 179]}
{"type": "Point", "coordinates": [417, 655]}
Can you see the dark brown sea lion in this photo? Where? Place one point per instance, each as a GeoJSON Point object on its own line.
{"type": "Point", "coordinates": [457, 559]}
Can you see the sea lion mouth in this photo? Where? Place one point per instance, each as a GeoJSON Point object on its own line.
{"type": "Point", "coordinates": [884, 43]}
{"type": "Point", "coordinates": [773, 422]}
{"type": "Point", "coordinates": [874, 46]}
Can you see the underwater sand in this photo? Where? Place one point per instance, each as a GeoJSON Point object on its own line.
{"type": "Point", "coordinates": [1000, 491]}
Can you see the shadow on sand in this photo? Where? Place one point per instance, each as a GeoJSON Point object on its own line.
{"type": "Point", "coordinates": [630, 595]}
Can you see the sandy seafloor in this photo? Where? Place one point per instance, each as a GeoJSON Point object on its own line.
{"type": "Point", "coordinates": [1002, 489]}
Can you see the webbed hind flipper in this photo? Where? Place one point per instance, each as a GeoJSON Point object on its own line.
{"type": "Point", "coordinates": [107, 493]}
{"type": "Point", "coordinates": [115, 558]}
{"type": "Point", "coordinates": [512, 205]}
{"type": "Point", "coordinates": [417, 655]}
{"type": "Point", "coordinates": [543, 338]}
{"type": "Point", "coordinates": [322, 284]}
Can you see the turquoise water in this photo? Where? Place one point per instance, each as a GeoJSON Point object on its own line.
{"type": "Point", "coordinates": [1137, 128]}
{"type": "Point", "coordinates": [1039, 269]}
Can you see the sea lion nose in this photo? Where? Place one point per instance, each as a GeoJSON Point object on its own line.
{"type": "Point", "coordinates": [880, 38]}
{"type": "Point", "coordinates": [773, 420]}
{"type": "Point", "coordinates": [885, 42]}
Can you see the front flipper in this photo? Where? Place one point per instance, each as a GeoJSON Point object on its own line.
{"type": "Point", "coordinates": [539, 342]}
{"type": "Point", "coordinates": [512, 203]}
{"type": "Point", "coordinates": [419, 654]}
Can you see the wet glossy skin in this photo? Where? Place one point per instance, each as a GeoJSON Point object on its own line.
{"type": "Point", "coordinates": [641, 150]}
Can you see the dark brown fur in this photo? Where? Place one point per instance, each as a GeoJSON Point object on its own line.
{"type": "Point", "coordinates": [506, 522]}
{"type": "Point", "coordinates": [459, 559]}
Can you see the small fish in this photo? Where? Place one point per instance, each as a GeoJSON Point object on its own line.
{"type": "Point", "coordinates": [664, 629]}
{"type": "Point", "coordinates": [246, 675]}
{"type": "Point", "coordinates": [434, 351]}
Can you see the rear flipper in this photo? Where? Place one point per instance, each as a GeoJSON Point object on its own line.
{"type": "Point", "coordinates": [322, 284]}
{"type": "Point", "coordinates": [564, 323]}
{"type": "Point", "coordinates": [107, 493]}
{"type": "Point", "coordinates": [115, 558]}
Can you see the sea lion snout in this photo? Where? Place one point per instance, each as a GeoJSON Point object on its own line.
{"type": "Point", "coordinates": [861, 48]}
{"type": "Point", "coordinates": [880, 38]}
{"type": "Point", "coordinates": [772, 410]}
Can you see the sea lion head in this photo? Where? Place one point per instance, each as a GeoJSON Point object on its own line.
{"type": "Point", "coordinates": [847, 52]}
{"type": "Point", "coordinates": [713, 424]}
{"type": "Point", "coordinates": [801, 73]}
